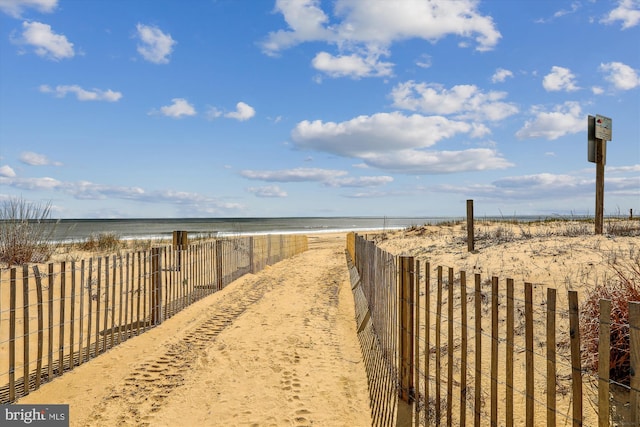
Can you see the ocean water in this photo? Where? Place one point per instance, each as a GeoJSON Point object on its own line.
{"type": "Point", "coordinates": [149, 228]}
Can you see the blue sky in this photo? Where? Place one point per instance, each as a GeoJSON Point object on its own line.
{"type": "Point", "coordinates": [233, 108]}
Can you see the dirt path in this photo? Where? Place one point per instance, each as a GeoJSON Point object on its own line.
{"type": "Point", "coordinates": [277, 348]}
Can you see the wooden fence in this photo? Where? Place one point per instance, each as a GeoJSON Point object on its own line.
{"type": "Point", "coordinates": [57, 316]}
{"type": "Point", "coordinates": [441, 348]}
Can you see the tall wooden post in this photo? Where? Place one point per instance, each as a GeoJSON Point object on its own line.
{"type": "Point", "coordinates": [470, 233]}
{"type": "Point", "coordinates": [598, 133]}
{"type": "Point", "coordinates": [601, 154]}
{"type": "Point", "coordinates": [180, 243]}
{"type": "Point", "coordinates": [407, 284]}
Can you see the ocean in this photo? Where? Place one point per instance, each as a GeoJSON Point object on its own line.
{"type": "Point", "coordinates": [150, 228]}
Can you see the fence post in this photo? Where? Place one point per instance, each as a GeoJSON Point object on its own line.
{"type": "Point", "coordinates": [407, 277]}
{"type": "Point", "coordinates": [470, 227]}
{"type": "Point", "coordinates": [604, 355]}
{"type": "Point", "coordinates": [180, 243]}
{"type": "Point", "coordinates": [219, 261]}
{"type": "Point", "coordinates": [156, 287]}
{"type": "Point", "coordinates": [576, 369]}
{"type": "Point", "coordinates": [634, 349]}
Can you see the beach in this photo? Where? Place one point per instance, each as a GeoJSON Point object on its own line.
{"type": "Point", "coordinates": [280, 347]}
{"type": "Point", "coordinates": [274, 348]}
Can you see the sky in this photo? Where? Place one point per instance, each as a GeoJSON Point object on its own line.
{"type": "Point", "coordinates": [285, 108]}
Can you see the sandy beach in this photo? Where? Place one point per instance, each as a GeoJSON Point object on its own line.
{"type": "Point", "coordinates": [277, 348]}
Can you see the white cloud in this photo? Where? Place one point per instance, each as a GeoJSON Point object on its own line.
{"type": "Point", "coordinates": [501, 75]}
{"type": "Point", "coordinates": [82, 94]}
{"type": "Point", "coordinates": [7, 171]}
{"type": "Point", "coordinates": [558, 79]}
{"type": "Point", "coordinates": [396, 142]}
{"type": "Point", "coordinates": [155, 45]}
{"type": "Point", "coordinates": [243, 112]}
{"type": "Point", "coordinates": [565, 119]}
{"type": "Point", "coordinates": [269, 191]}
{"type": "Point", "coordinates": [35, 159]}
{"type": "Point", "coordinates": [620, 75]}
{"type": "Point", "coordinates": [353, 65]}
{"type": "Point", "coordinates": [328, 177]}
{"type": "Point", "coordinates": [293, 175]}
{"type": "Point", "coordinates": [180, 108]}
{"type": "Point", "coordinates": [597, 90]}
{"type": "Point", "coordinates": [463, 101]}
{"type": "Point", "coordinates": [412, 161]}
{"type": "Point", "coordinates": [368, 29]}
{"type": "Point", "coordinates": [47, 44]}
{"type": "Point", "coordinates": [15, 8]}
{"type": "Point", "coordinates": [628, 11]}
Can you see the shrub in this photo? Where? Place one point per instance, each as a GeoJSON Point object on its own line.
{"type": "Point", "coordinates": [101, 242]}
{"type": "Point", "coordinates": [26, 232]}
{"type": "Point", "coordinates": [624, 288]}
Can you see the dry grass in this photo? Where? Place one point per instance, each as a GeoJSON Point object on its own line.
{"type": "Point", "coordinates": [26, 232]}
{"type": "Point", "coordinates": [622, 288]}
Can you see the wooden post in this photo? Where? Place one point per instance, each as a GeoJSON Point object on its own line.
{"type": "Point", "coordinates": [478, 350]}
{"type": "Point", "coordinates": [634, 349]}
{"type": "Point", "coordinates": [551, 357]}
{"type": "Point", "coordinates": [438, 341]}
{"type": "Point", "coordinates": [601, 150]}
{"type": "Point", "coordinates": [25, 327]}
{"type": "Point", "coordinates": [494, 351]}
{"type": "Point", "coordinates": [156, 287]}
{"type": "Point", "coordinates": [450, 347]}
{"type": "Point", "coordinates": [529, 385]}
{"type": "Point", "coordinates": [576, 369]}
{"type": "Point", "coordinates": [36, 273]}
{"type": "Point", "coordinates": [407, 276]}
{"type": "Point", "coordinates": [463, 348]}
{"type": "Point", "coordinates": [12, 335]}
{"type": "Point", "coordinates": [509, 353]}
{"type": "Point", "coordinates": [427, 323]}
{"type": "Point", "coordinates": [470, 231]}
{"type": "Point", "coordinates": [219, 262]}
{"type": "Point", "coordinates": [604, 355]}
{"type": "Point", "coordinates": [180, 243]}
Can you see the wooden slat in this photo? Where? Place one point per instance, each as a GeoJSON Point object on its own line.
{"type": "Point", "coordinates": [90, 310]}
{"type": "Point", "coordinates": [551, 357]}
{"type": "Point", "coordinates": [634, 348]}
{"type": "Point", "coordinates": [477, 406]}
{"type": "Point", "coordinates": [494, 351]}
{"type": "Point", "coordinates": [63, 294]}
{"type": "Point", "coordinates": [463, 349]}
{"type": "Point", "coordinates": [25, 328]}
{"type": "Point", "coordinates": [416, 339]}
{"type": "Point", "coordinates": [107, 308]}
{"type": "Point", "coordinates": [72, 317]}
{"type": "Point", "coordinates": [528, 332]}
{"type": "Point", "coordinates": [576, 369]}
{"type": "Point", "coordinates": [450, 347]}
{"type": "Point", "coordinates": [112, 311]}
{"type": "Point", "coordinates": [12, 334]}
{"type": "Point", "coordinates": [36, 273]}
{"type": "Point", "coordinates": [51, 282]}
{"type": "Point", "coordinates": [81, 334]}
{"type": "Point", "coordinates": [604, 355]}
{"type": "Point", "coordinates": [438, 341]}
{"type": "Point", "coordinates": [98, 300]}
{"type": "Point", "coordinates": [509, 354]}
{"type": "Point", "coordinates": [427, 330]}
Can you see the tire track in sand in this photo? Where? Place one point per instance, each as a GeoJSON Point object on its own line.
{"type": "Point", "coordinates": [150, 383]}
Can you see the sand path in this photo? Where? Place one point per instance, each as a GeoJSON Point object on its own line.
{"type": "Point", "coordinates": [277, 348]}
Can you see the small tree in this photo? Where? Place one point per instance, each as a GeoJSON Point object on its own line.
{"type": "Point", "coordinates": [26, 232]}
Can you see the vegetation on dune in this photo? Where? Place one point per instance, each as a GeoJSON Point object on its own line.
{"type": "Point", "coordinates": [26, 232]}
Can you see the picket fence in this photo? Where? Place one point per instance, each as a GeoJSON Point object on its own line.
{"type": "Point", "coordinates": [58, 316]}
{"type": "Point", "coordinates": [439, 351]}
